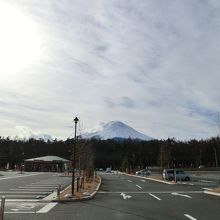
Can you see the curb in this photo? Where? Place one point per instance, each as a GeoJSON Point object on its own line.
{"type": "Point", "coordinates": [149, 178]}
{"type": "Point", "coordinates": [211, 193]}
{"type": "Point", "coordinates": [85, 198]}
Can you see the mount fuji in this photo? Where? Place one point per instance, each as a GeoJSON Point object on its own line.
{"type": "Point", "coordinates": [115, 130]}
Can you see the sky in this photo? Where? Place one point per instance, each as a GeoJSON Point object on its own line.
{"type": "Point", "coordinates": [152, 64]}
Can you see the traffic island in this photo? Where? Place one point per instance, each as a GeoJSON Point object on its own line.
{"type": "Point", "coordinates": [88, 191]}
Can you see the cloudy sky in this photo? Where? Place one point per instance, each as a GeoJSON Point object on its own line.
{"type": "Point", "coordinates": [152, 64]}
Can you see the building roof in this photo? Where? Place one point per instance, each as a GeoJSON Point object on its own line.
{"type": "Point", "coordinates": [48, 158]}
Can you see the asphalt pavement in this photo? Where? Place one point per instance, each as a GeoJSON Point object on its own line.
{"type": "Point", "coordinates": [127, 197]}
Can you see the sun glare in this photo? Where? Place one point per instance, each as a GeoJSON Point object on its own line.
{"type": "Point", "coordinates": [19, 41]}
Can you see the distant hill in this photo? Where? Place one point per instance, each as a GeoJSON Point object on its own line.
{"type": "Point", "coordinates": [115, 130]}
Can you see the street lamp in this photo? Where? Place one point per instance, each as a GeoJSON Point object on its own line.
{"type": "Point", "coordinates": [22, 162]}
{"type": "Point", "coordinates": [74, 156]}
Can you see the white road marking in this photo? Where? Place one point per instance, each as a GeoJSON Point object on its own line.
{"type": "Point", "coordinates": [125, 196]}
{"type": "Point", "coordinates": [13, 177]}
{"type": "Point", "coordinates": [16, 212]}
{"type": "Point", "coordinates": [129, 181]}
{"type": "Point", "coordinates": [28, 189]}
{"type": "Point", "coordinates": [45, 184]}
{"type": "Point", "coordinates": [190, 217]}
{"type": "Point", "coordinates": [41, 185]}
{"type": "Point", "coordinates": [154, 196]}
{"type": "Point", "coordinates": [22, 192]}
{"type": "Point", "coordinates": [22, 200]}
{"type": "Point", "coordinates": [178, 194]}
{"type": "Point", "coordinates": [206, 181]}
{"type": "Point", "coordinates": [36, 187]}
{"type": "Point", "coordinates": [143, 181]}
{"type": "Point", "coordinates": [50, 197]}
{"type": "Point", "coordinates": [139, 186]}
{"type": "Point", "coordinates": [20, 196]}
{"type": "Point", "coordinates": [24, 207]}
{"type": "Point", "coordinates": [47, 207]}
{"type": "Point", "coordinates": [207, 188]}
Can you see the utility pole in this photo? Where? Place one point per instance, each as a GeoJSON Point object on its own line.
{"type": "Point", "coordinates": [74, 156]}
{"type": "Point", "coordinates": [215, 151]}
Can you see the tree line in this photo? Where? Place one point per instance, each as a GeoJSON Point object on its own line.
{"type": "Point", "coordinates": [117, 154]}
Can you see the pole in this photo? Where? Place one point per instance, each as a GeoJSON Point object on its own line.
{"type": "Point", "coordinates": [216, 160]}
{"type": "Point", "coordinates": [74, 156]}
{"type": "Point", "coordinates": [2, 208]}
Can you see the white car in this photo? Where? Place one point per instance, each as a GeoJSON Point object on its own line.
{"type": "Point", "coordinates": [143, 172]}
{"type": "Point", "coordinates": [169, 174]}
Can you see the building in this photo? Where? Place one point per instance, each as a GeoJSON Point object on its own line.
{"type": "Point", "coordinates": [47, 164]}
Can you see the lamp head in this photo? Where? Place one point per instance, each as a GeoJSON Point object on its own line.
{"type": "Point", "coordinates": [75, 119]}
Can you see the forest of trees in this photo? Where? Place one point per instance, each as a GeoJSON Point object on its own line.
{"type": "Point", "coordinates": [118, 154]}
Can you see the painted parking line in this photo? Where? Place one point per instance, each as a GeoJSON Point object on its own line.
{"type": "Point", "coordinates": [139, 186]}
{"type": "Point", "coordinates": [154, 196]}
{"type": "Point", "coordinates": [189, 217]}
{"type": "Point", "coordinates": [47, 208]}
{"type": "Point", "coordinates": [179, 194]}
{"type": "Point", "coordinates": [207, 188]}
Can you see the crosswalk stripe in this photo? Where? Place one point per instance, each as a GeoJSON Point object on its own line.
{"type": "Point", "coordinates": [28, 189]}
{"type": "Point", "coordinates": [47, 187]}
{"type": "Point", "coordinates": [21, 192]}
{"type": "Point", "coordinates": [20, 196]}
{"type": "Point", "coordinates": [35, 185]}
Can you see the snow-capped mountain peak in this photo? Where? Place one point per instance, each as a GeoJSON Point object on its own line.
{"type": "Point", "coordinates": [115, 129]}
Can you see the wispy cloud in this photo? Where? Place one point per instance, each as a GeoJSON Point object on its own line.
{"type": "Point", "coordinates": [153, 64]}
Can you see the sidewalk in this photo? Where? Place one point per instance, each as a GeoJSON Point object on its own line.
{"type": "Point", "coordinates": [87, 192]}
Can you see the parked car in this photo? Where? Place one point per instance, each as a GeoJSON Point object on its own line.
{"type": "Point", "coordinates": [169, 174]}
{"type": "Point", "coordinates": [143, 172]}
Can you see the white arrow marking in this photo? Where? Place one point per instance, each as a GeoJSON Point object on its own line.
{"type": "Point", "coordinates": [143, 181]}
{"type": "Point", "coordinates": [190, 217]}
{"type": "Point", "coordinates": [27, 206]}
{"type": "Point", "coordinates": [125, 196]}
{"type": "Point", "coordinates": [129, 181]}
{"type": "Point", "coordinates": [178, 194]}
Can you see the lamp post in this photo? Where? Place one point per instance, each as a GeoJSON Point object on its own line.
{"type": "Point", "coordinates": [74, 156]}
{"type": "Point", "coordinates": [22, 161]}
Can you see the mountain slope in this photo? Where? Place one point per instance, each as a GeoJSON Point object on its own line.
{"type": "Point", "coordinates": [115, 129]}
